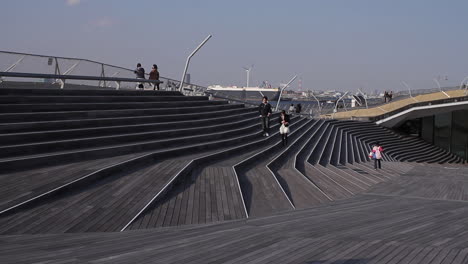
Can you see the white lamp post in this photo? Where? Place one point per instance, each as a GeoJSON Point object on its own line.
{"type": "Point", "coordinates": [247, 70]}
{"type": "Point", "coordinates": [281, 92]}
{"type": "Point", "coordinates": [188, 61]}
{"type": "Point", "coordinates": [408, 87]}
{"type": "Point", "coordinates": [466, 85]}
{"type": "Point", "coordinates": [440, 89]}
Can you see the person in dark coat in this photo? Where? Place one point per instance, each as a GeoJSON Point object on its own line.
{"type": "Point", "coordinates": [284, 121]}
{"type": "Point", "coordinates": [154, 75]}
{"type": "Point", "coordinates": [265, 112]}
{"type": "Point", "coordinates": [298, 108]}
{"type": "Point", "coordinates": [140, 74]}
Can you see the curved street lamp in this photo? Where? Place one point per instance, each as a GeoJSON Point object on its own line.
{"type": "Point", "coordinates": [281, 92]}
{"type": "Point", "coordinates": [466, 86]}
{"type": "Point", "coordinates": [440, 89]}
{"type": "Point", "coordinates": [364, 96]}
{"type": "Point", "coordinates": [336, 105]}
{"type": "Point", "coordinates": [188, 62]}
{"type": "Point", "coordinates": [408, 87]}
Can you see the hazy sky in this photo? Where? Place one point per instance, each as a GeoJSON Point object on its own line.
{"type": "Point", "coordinates": [333, 44]}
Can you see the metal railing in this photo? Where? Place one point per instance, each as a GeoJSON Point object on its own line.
{"type": "Point", "coordinates": [17, 62]}
{"type": "Point", "coordinates": [213, 95]}
{"type": "Point", "coordinates": [416, 104]}
{"type": "Point", "coordinates": [64, 78]}
{"type": "Point", "coordinates": [401, 95]}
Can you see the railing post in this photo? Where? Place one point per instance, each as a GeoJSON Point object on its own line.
{"type": "Point", "coordinates": [281, 91]}
{"type": "Point", "coordinates": [188, 62]}
{"type": "Point", "coordinates": [102, 75]}
{"type": "Point", "coordinates": [57, 67]}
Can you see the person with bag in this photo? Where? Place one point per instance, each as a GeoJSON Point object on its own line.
{"type": "Point", "coordinates": [376, 153]}
{"type": "Point", "coordinates": [265, 112]}
{"type": "Point", "coordinates": [284, 127]}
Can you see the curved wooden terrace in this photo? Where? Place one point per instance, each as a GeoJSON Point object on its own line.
{"type": "Point", "coordinates": [157, 177]}
{"type": "Point", "coordinates": [395, 105]}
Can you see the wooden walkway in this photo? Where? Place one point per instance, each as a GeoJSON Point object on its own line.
{"type": "Point", "coordinates": [367, 228]}
{"type": "Point", "coordinates": [207, 188]}
{"type": "Point", "coordinates": [106, 205]}
{"type": "Point", "coordinates": [208, 195]}
{"type": "Point", "coordinates": [21, 186]}
{"type": "Point", "coordinates": [395, 105]}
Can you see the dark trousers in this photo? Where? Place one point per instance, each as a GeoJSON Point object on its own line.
{"type": "Point", "coordinates": [378, 163]}
{"type": "Point", "coordinates": [284, 139]}
{"type": "Point", "coordinates": [266, 124]}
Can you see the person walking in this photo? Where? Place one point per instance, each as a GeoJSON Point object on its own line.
{"type": "Point", "coordinates": [140, 74]}
{"type": "Point", "coordinates": [154, 75]}
{"type": "Point", "coordinates": [298, 108]}
{"type": "Point", "coordinates": [265, 112]}
{"type": "Point", "coordinates": [284, 127]}
{"type": "Point", "coordinates": [292, 109]}
{"type": "Point", "coordinates": [390, 96]}
{"type": "Point", "coordinates": [377, 151]}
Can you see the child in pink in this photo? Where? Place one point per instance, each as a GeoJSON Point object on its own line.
{"type": "Point", "coordinates": [377, 150]}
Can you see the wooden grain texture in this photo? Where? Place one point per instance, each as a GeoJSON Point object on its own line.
{"type": "Point", "coordinates": [327, 206]}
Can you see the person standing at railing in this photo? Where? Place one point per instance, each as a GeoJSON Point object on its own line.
{"type": "Point", "coordinates": [154, 75]}
{"type": "Point", "coordinates": [265, 112]}
{"type": "Point", "coordinates": [140, 74]}
{"type": "Point", "coordinates": [390, 96]}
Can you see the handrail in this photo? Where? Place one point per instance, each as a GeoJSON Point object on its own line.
{"type": "Point", "coordinates": [416, 104]}
{"type": "Point", "coordinates": [401, 95]}
{"type": "Point", "coordinates": [169, 82]}
{"type": "Point", "coordinates": [230, 99]}
{"type": "Point", "coordinates": [375, 118]}
{"type": "Point", "coordinates": [74, 77]}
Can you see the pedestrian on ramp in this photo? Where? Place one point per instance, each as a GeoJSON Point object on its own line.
{"type": "Point", "coordinates": [265, 112]}
{"type": "Point", "coordinates": [376, 155]}
{"type": "Point", "coordinates": [284, 127]}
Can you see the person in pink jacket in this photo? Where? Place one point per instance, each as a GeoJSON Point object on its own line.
{"type": "Point", "coordinates": [377, 151]}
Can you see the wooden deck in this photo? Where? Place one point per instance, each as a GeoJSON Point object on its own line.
{"type": "Point", "coordinates": [373, 227]}
{"type": "Point", "coordinates": [114, 186]}
{"type": "Point", "coordinates": [395, 105]}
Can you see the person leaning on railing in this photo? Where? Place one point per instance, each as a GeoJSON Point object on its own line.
{"type": "Point", "coordinates": [140, 74]}
{"type": "Point", "coordinates": [154, 75]}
